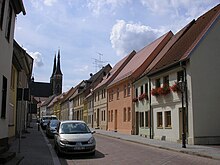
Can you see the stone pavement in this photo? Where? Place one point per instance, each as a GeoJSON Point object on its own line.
{"type": "Point", "coordinates": [35, 149]}
{"type": "Point", "coordinates": [212, 152]}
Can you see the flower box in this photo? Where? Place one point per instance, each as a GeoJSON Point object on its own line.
{"type": "Point", "coordinates": [143, 96]}
{"type": "Point", "coordinates": [135, 99]}
{"type": "Point", "coordinates": [154, 92]}
{"type": "Point", "coordinates": [175, 88]}
{"type": "Point", "coordinates": [164, 90]}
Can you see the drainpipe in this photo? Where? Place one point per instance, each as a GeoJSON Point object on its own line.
{"type": "Point", "coordinates": [183, 65]}
{"type": "Point", "coordinates": [151, 112]}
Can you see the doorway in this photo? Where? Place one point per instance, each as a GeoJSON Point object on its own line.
{"type": "Point", "coordinates": [115, 121]}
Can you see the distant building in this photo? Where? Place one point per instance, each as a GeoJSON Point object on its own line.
{"type": "Point", "coordinates": [40, 91]}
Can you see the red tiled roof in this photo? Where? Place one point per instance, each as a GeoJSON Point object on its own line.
{"type": "Point", "coordinates": [114, 71]}
{"type": "Point", "coordinates": [192, 34]}
{"type": "Point", "coordinates": [142, 59]}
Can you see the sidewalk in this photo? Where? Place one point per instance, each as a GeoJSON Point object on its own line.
{"type": "Point", "coordinates": [35, 149]}
{"type": "Point", "coordinates": [212, 152]}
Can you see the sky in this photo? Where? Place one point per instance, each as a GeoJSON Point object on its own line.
{"type": "Point", "coordinates": [93, 33]}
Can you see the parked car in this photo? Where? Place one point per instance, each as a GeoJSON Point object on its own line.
{"type": "Point", "coordinates": [74, 137]}
{"type": "Point", "coordinates": [51, 128]}
{"type": "Point", "coordinates": [45, 120]}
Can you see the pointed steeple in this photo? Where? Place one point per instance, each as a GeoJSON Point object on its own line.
{"type": "Point", "coordinates": [58, 70]}
{"type": "Point", "coordinates": [54, 66]}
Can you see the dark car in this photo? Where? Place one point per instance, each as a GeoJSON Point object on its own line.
{"type": "Point", "coordinates": [51, 128]}
{"type": "Point", "coordinates": [74, 137]}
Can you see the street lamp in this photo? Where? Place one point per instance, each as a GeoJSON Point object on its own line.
{"type": "Point", "coordinates": [181, 86]}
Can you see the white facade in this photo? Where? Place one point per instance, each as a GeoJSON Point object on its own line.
{"type": "Point", "coordinates": [6, 50]}
{"type": "Point", "coordinates": [164, 104]}
{"type": "Point", "coordinates": [204, 75]}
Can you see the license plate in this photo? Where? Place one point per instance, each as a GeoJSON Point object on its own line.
{"type": "Point", "coordinates": [79, 148]}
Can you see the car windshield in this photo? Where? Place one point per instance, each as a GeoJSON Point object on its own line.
{"type": "Point", "coordinates": [53, 123]}
{"type": "Point", "coordinates": [74, 128]}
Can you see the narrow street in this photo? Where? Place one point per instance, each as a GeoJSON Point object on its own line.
{"type": "Point", "coordinates": [115, 151]}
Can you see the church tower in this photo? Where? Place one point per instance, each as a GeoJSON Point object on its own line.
{"type": "Point", "coordinates": [52, 76]}
{"type": "Point", "coordinates": [56, 77]}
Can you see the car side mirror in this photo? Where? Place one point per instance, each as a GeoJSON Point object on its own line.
{"type": "Point", "coordinates": [93, 132]}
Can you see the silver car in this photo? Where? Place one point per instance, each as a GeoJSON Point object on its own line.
{"type": "Point", "coordinates": [51, 128]}
{"type": "Point", "coordinates": [74, 137]}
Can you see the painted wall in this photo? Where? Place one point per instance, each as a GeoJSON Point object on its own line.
{"type": "Point", "coordinates": [142, 106]}
{"type": "Point", "coordinates": [118, 123]}
{"type": "Point", "coordinates": [205, 67]}
{"type": "Point", "coordinates": [170, 102]}
{"type": "Point", "coordinates": [6, 48]}
{"type": "Point", "coordinates": [100, 102]}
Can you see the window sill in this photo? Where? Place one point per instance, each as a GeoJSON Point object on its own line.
{"type": "Point", "coordinates": [169, 127]}
{"type": "Point", "coordinates": [159, 127]}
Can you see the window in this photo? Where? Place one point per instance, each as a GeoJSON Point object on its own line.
{"type": "Point", "coordinates": [111, 115]}
{"type": "Point", "coordinates": [4, 97]}
{"type": "Point", "coordinates": [12, 77]}
{"type": "Point", "coordinates": [157, 83]}
{"type": "Point", "coordinates": [168, 119]}
{"type": "Point", "coordinates": [141, 119]}
{"type": "Point", "coordinates": [95, 97]}
{"type": "Point", "coordinates": [159, 120]}
{"type": "Point", "coordinates": [125, 90]}
{"type": "Point", "coordinates": [136, 92]}
{"type": "Point", "coordinates": [103, 93]}
{"type": "Point", "coordinates": [147, 121]}
{"type": "Point", "coordinates": [142, 89]}
{"type": "Point", "coordinates": [2, 7]}
{"type": "Point", "coordinates": [111, 93]}
{"type": "Point", "coordinates": [124, 116]}
{"type": "Point", "coordinates": [129, 89]}
{"type": "Point", "coordinates": [146, 88]}
{"type": "Point", "coordinates": [104, 115]}
{"type": "Point", "coordinates": [98, 95]}
{"type": "Point", "coordinates": [117, 93]}
{"type": "Point", "coordinates": [129, 114]}
{"type": "Point", "coordinates": [8, 23]}
{"type": "Point", "coordinates": [180, 76]}
{"type": "Point", "coordinates": [166, 80]}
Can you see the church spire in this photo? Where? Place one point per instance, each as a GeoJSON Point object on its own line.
{"type": "Point", "coordinates": [58, 70]}
{"type": "Point", "coordinates": [54, 66]}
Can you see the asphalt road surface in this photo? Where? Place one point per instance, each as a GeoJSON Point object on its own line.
{"type": "Point", "coordinates": [112, 151]}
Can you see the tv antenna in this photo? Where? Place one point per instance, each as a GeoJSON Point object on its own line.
{"type": "Point", "coordinates": [99, 63]}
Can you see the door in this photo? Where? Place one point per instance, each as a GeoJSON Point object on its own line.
{"type": "Point", "coordinates": [115, 120]}
{"type": "Point", "coordinates": [97, 118]}
{"type": "Point", "coordinates": [137, 123]}
{"type": "Point", "coordinates": [182, 122]}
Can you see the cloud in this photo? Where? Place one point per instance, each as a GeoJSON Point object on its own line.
{"type": "Point", "coordinates": [126, 37]}
{"type": "Point", "coordinates": [99, 6]}
{"type": "Point", "coordinates": [49, 2]}
{"type": "Point", "coordinates": [38, 61]}
{"type": "Point", "coordinates": [187, 8]}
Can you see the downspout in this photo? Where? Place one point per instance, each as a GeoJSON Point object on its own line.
{"type": "Point", "coordinates": [151, 112]}
{"type": "Point", "coordinates": [183, 65]}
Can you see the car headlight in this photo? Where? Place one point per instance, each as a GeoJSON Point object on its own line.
{"type": "Point", "coordinates": [91, 140]}
{"type": "Point", "coordinates": [63, 141]}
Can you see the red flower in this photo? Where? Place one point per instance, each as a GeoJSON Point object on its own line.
{"type": "Point", "coordinates": [143, 96]}
{"type": "Point", "coordinates": [154, 92]}
{"type": "Point", "coordinates": [175, 88]}
{"type": "Point", "coordinates": [135, 99]}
